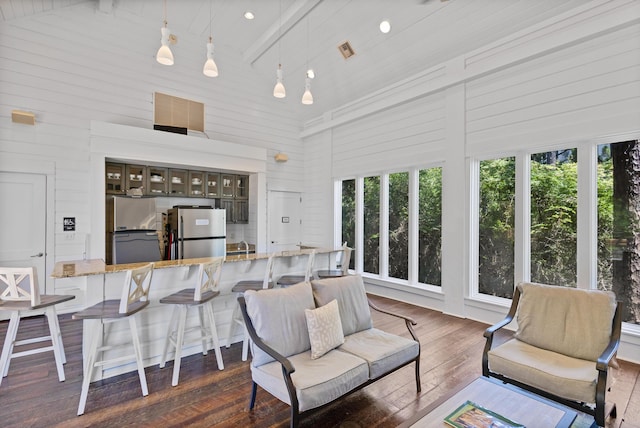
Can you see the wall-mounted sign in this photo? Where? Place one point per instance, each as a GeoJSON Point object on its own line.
{"type": "Point", "coordinates": [285, 219]}
{"type": "Point", "coordinates": [69, 224]}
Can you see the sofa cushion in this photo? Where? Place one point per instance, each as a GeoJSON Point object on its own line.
{"type": "Point", "coordinates": [352, 301]}
{"type": "Point", "coordinates": [549, 371]}
{"type": "Point", "coordinates": [383, 352]}
{"type": "Point", "coordinates": [317, 381]}
{"type": "Point", "coordinates": [278, 318]}
{"type": "Point", "coordinates": [556, 318]}
{"type": "Point", "coordinates": [325, 328]}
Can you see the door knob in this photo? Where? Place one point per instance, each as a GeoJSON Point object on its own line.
{"type": "Point", "coordinates": [38, 255]}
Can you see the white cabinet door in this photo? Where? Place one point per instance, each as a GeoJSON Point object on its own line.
{"type": "Point", "coordinates": [23, 217]}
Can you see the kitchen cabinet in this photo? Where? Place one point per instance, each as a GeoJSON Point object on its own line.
{"type": "Point", "coordinates": [197, 184]}
{"type": "Point", "coordinates": [213, 185]}
{"type": "Point", "coordinates": [241, 211]}
{"type": "Point", "coordinates": [157, 181]}
{"type": "Point", "coordinates": [136, 177]}
{"type": "Point", "coordinates": [228, 187]}
{"type": "Point", "coordinates": [178, 182]}
{"type": "Point", "coordinates": [114, 180]}
{"type": "Point", "coordinates": [242, 187]}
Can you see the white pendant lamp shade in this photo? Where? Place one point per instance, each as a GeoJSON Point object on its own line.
{"type": "Point", "coordinates": [164, 55]}
{"type": "Point", "coordinates": [278, 90]}
{"type": "Point", "coordinates": [210, 68]}
{"type": "Point", "coordinates": [307, 97]}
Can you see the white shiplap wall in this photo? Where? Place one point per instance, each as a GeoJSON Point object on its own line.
{"type": "Point", "coordinates": [75, 65]}
{"type": "Point", "coordinates": [576, 78]}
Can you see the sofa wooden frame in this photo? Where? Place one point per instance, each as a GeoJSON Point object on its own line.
{"type": "Point", "coordinates": [601, 410]}
{"type": "Point", "coordinates": [288, 369]}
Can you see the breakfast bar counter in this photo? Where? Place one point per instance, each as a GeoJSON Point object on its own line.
{"type": "Point", "coordinates": [105, 282]}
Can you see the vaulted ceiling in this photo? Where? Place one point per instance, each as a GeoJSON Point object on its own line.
{"type": "Point", "coordinates": [298, 33]}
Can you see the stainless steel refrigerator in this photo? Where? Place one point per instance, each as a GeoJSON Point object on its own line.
{"type": "Point", "coordinates": [131, 230]}
{"type": "Point", "coordinates": [197, 231]}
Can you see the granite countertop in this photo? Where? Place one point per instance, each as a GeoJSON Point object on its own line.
{"type": "Point", "coordinates": [76, 268]}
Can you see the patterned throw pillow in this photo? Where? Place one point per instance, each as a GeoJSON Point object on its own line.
{"type": "Point", "coordinates": [325, 328]}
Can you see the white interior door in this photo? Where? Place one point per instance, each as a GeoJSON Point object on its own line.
{"type": "Point", "coordinates": [23, 216]}
{"type": "Point", "coordinates": [285, 221]}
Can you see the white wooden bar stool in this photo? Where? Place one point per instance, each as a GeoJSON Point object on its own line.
{"type": "Point", "coordinates": [208, 278]}
{"type": "Point", "coordinates": [239, 288]}
{"type": "Point", "coordinates": [288, 280]}
{"type": "Point", "coordinates": [342, 263]}
{"type": "Point", "coordinates": [134, 298]}
{"type": "Point", "coordinates": [19, 293]}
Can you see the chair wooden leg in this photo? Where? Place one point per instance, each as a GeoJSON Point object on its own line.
{"type": "Point", "coordinates": [177, 359]}
{"type": "Point", "coordinates": [232, 324]}
{"type": "Point", "coordinates": [10, 339]}
{"type": "Point", "coordinates": [138, 352]}
{"type": "Point", "coordinates": [214, 335]}
{"type": "Point", "coordinates": [252, 400]}
{"type": "Point", "coordinates": [170, 333]}
{"type": "Point", "coordinates": [245, 345]}
{"type": "Point", "coordinates": [88, 369]}
{"type": "Point", "coordinates": [203, 330]}
{"type": "Point", "coordinates": [56, 341]}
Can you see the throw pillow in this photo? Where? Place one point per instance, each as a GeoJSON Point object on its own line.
{"type": "Point", "coordinates": [325, 328]}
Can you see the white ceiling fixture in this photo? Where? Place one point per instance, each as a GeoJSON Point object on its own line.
{"type": "Point", "coordinates": [249, 15]}
{"type": "Point", "coordinates": [307, 97]}
{"type": "Point", "coordinates": [210, 68]}
{"type": "Point", "coordinates": [278, 90]}
{"type": "Point", "coordinates": [164, 55]}
{"type": "Point", "coordinates": [385, 26]}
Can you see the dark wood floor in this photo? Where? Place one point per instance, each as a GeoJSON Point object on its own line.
{"type": "Point", "coordinates": [31, 396]}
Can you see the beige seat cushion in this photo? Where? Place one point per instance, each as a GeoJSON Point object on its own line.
{"type": "Point", "coordinates": [549, 371]}
{"type": "Point", "coordinates": [383, 351]}
{"type": "Point", "coordinates": [569, 321]}
{"type": "Point", "coordinates": [317, 381]}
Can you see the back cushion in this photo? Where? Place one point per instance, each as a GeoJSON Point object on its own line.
{"type": "Point", "coordinates": [566, 320]}
{"type": "Point", "coordinates": [278, 318]}
{"type": "Point", "coordinates": [352, 301]}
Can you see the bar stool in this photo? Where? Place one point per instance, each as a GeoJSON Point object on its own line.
{"type": "Point", "coordinates": [134, 298]}
{"type": "Point", "coordinates": [288, 280]}
{"type": "Point", "coordinates": [239, 288]}
{"type": "Point", "coordinates": [19, 293]}
{"type": "Point", "coordinates": [343, 263]}
{"type": "Point", "coordinates": [201, 296]}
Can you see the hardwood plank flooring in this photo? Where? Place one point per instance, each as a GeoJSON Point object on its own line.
{"type": "Point", "coordinates": [31, 396]}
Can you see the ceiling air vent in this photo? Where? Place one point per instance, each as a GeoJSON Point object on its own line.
{"type": "Point", "coordinates": [346, 50]}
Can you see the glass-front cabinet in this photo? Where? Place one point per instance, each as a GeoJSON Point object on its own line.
{"type": "Point", "coordinates": [178, 182]}
{"type": "Point", "coordinates": [136, 177]}
{"type": "Point", "coordinates": [197, 183]}
{"type": "Point", "coordinates": [157, 181]}
{"type": "Point", "coordinates": [228, 185]}
{"type": "Point", "coordinates": [114, 180]}
{"type": "Point", "coordinates": [213, 185]}
{"type": "Point", "coordinates": [242, 187]}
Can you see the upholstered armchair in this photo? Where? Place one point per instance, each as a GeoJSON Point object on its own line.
{"type": "Point", "coordinates": [565, 342]}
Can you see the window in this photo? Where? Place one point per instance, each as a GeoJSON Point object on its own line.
{"type": "Point", "coordinates": [430, 226]}
{"type": "Point", "coordinates": [399, 225]}
{"type": "Point", "coordinates": [349, 216]}
{"type": "Point", "coordinates": [619, 224]}
{"type": "Point", "coordinates": [496, 227]}
{"type": "Point", "coordinates": [554, 206]}
{"type": "Point", "coordinates": [371, 242]}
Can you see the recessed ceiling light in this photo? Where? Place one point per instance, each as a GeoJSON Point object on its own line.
{"type": "Point", "coordinates": [385, 26]}
{"type": "Point", "coordinates": [310, 73]}
{"type": "Point", "coordinates": [249, 15]}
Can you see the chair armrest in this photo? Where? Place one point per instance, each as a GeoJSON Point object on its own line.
{"type": "Point", "coordinates": [409, 322]}
{"type": "Point", "coordinates": [489, 332]}
{"type": "Point", "coordinates": [605, 358]}
{"type": "Point", "coordinates": [287, 367]}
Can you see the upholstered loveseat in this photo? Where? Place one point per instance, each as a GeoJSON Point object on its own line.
{"type": "Point", "coordinates": [565, 342]}
{"type": "Point", "coordinates": [313, 343]}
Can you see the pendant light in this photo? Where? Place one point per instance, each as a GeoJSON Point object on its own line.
{"type": "Point", "coordinates": [307, 97]}
{"type": "Point", "coordinates": [164, 55]}
{"type": "Point", "coordinates": [210, 68]}
{"type": "Point", "coordinates": [278, 90]}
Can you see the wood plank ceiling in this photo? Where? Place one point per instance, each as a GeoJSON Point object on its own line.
{"type": "Point", "coordinates": [301, 33]}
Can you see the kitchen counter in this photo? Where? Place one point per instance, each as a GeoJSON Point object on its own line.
{"type": "Point", "coordinates": [76, 268]}
{"type": "Point", "coordinates": [98, 281]}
